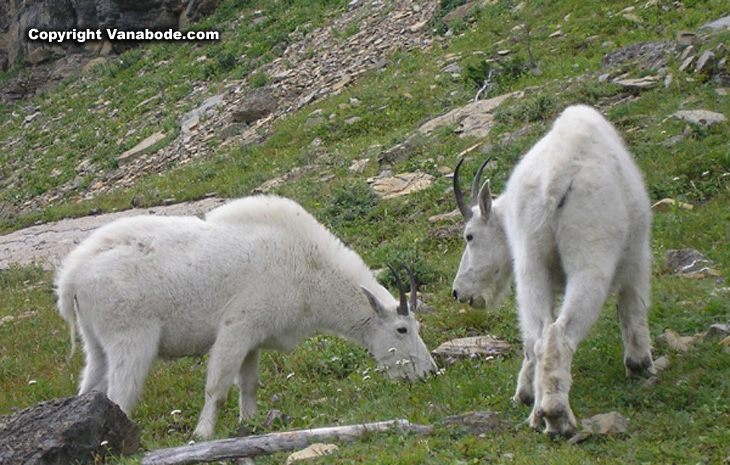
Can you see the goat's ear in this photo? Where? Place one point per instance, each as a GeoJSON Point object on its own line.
{"type": "Point", "coordinates": [485, 200]}
{"type": "Point", "coordinates": [375, 302]}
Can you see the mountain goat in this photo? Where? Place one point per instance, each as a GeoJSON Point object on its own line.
{"type": "Point", "coordinates": [257, 273]}
{"type": "Point", "coordinates": [575, 217]}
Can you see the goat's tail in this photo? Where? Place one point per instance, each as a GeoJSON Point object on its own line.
{"type": "Point", "coordinates": [67, 307]}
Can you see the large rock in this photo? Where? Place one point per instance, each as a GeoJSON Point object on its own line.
{"type": "Point", "coordinates": [18, 16]}
{"type": "Point", "coordinates": [257, 104]}
{"type": "Point", "coordinates": [71, 430]}
{"type": "Point", "coordinates": [648, 55]}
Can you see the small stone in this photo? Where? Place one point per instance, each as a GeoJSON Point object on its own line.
{"type": "Point", "coordinates": [137, 201]}
{"type": "Point", "coordinates": [475, 423]}
{"type": "Point", "coordinates": [358, 166]}
{"type": "Point", "coordinates": [556, 34]}
{"type": "Point", "coordinates": [702, 117]}
{"type": "Point", "coordinates": [192, 118]}
{"type": "Point", "coordinates": [39, 56]}
{"type": "Point", "coordinates": [31, 117]}
{"type": "Point", "coordinates": [606, 423]}
{"type": "Point", "coordinates": [484, 346]}
{"type": "Point", "coordinates": [705, 61]}
{"type": "Point", "coordinates": [400, 185]}
{"type": "Point", "coordinates": [311, 123]}
{"type": "Point", "coordinates": [717, 25]}
{"type": "Point", "coordinates": [718, 331]}
{"type": "Point", "coordinates": [452, 68]}
{"type": "Point", "coordinates": [418, 26]}
{"type": "Point", "coordinates": [673, 341]}
{"type": "Point", "coordinates": [312, 452]}
{"type": "Point", "coordinates": [661, 364]}
{"type": "Point", "coordinates": [686, 63]}
{"type": "Point", "coordinates": [646, 82]}
{"type": "Point", "coordinates": [612, 424]}
{"type": "Point", "coordinates": [453, 215]}
{"type": "Point", "coordinates": [666, 205]}
{"type": "Point", "coordinates": [7, 210]}
{"type": "Point", "coordinates": [686, 38]}
{"type": "Point", "coordinates": [402, 152]}
{"type": "Point", "coordinates": [140, 149]}
{"type": "Point", "coordinates": [687, 262]}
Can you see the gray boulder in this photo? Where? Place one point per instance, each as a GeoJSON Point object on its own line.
{"type": "Point", "coordinates": [70, 430]}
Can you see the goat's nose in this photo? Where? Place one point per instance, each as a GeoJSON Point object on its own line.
{"type": "Point", "coordinates": [455, 294]}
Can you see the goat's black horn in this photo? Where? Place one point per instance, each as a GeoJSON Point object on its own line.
{"type": "Point", "coordinates": [465, 210]}
{"type": "Point", "coordinates": [475, 184]}
{"type": "Point", "coordinates": [414, 288]}
{"type": "Point", "coordinates": [403, 307]}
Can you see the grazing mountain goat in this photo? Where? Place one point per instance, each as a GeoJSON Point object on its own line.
{"type": "Point", "coordinates": [575, 218]}
{"type": "Point", "coordinates": [259, 272]}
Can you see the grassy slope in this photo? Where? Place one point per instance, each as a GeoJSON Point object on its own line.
{"type": "Point", "coordinates": [681, 419]}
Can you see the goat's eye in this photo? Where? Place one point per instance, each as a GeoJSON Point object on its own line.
{"type": "Point", "coordinates": [402, 330]}
{"type": "Point", "coordinates": [469, 237]}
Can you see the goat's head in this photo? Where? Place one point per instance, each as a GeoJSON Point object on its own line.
{"type": "Point", "coordinates": [486, 267]}
{"type": "Point", "coordinates": [394, 341]}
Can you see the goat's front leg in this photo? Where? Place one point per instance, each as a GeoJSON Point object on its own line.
{"type": "Point", "coordinates": [248, 382]}
{"type": "Point", "coordinates": [553, 381]}
{"type": "Point", "coordinates": [584, 297]}
{"type": "Point", "coordinates": [223, 364]}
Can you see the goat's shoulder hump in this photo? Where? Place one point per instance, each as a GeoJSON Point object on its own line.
{"type": "Point", "coordinates": [267, 209]}
{"type": "Point", "coordinates": [578, 120]}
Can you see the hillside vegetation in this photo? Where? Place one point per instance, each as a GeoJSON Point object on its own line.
{"type": "Point", "coordinates": [59, 159]}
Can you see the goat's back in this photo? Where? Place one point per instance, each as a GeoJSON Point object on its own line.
{"type": "Point", "coordinates": [188, 270]}
{"type": "Point", "coordinates": [581, 153]}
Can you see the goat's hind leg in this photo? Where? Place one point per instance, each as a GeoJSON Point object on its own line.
{"type": "Point", "coordinates": [94, 375]}
{"type": "Point", "coordinates": [130, 358]}
{"type": "Point", "coordinates": [633, 303]}
{"type": "Point", "coordinates": [248, 382]}
{"type": "Point", "coordinates": [225, 362]}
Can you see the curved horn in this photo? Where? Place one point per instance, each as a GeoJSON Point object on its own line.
{"type": "Point", "coordinates": [463, 207]}
{"type": "Point", "coordinates": [403, 307]}
{"type": "Point", "coordinates": [475, 183]}
{"type": "Point", "coordinates": [414, 288]}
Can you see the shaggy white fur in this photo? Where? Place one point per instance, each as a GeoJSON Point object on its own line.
{"type": "Point", "coordinates": [259, 272]}
{"type": "Point", "coordinates": [575, 217]}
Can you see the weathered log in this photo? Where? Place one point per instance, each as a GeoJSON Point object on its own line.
{"type": "Point", "coordinates": [251, 446]}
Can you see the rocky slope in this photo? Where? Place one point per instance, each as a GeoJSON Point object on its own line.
{"type": "Point", "coordinates": [235, 115]}
{"type": "Point", "coordinates": [17, 17]}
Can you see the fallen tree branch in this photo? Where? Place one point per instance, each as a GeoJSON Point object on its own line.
{"type": "Point", "coordinates": [251, 446]}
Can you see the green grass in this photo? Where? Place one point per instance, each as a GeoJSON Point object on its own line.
{"type": "Point", "coordinates": [680, 419]}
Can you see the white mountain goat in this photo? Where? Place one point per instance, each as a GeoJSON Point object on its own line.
{"type": "Point", "coordinates": [259, 272]}
{"type": "Point", "coordinates": [574, 218]}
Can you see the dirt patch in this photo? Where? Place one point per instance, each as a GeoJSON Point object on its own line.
{"type": "Point", "coordinates": [47, 244]}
